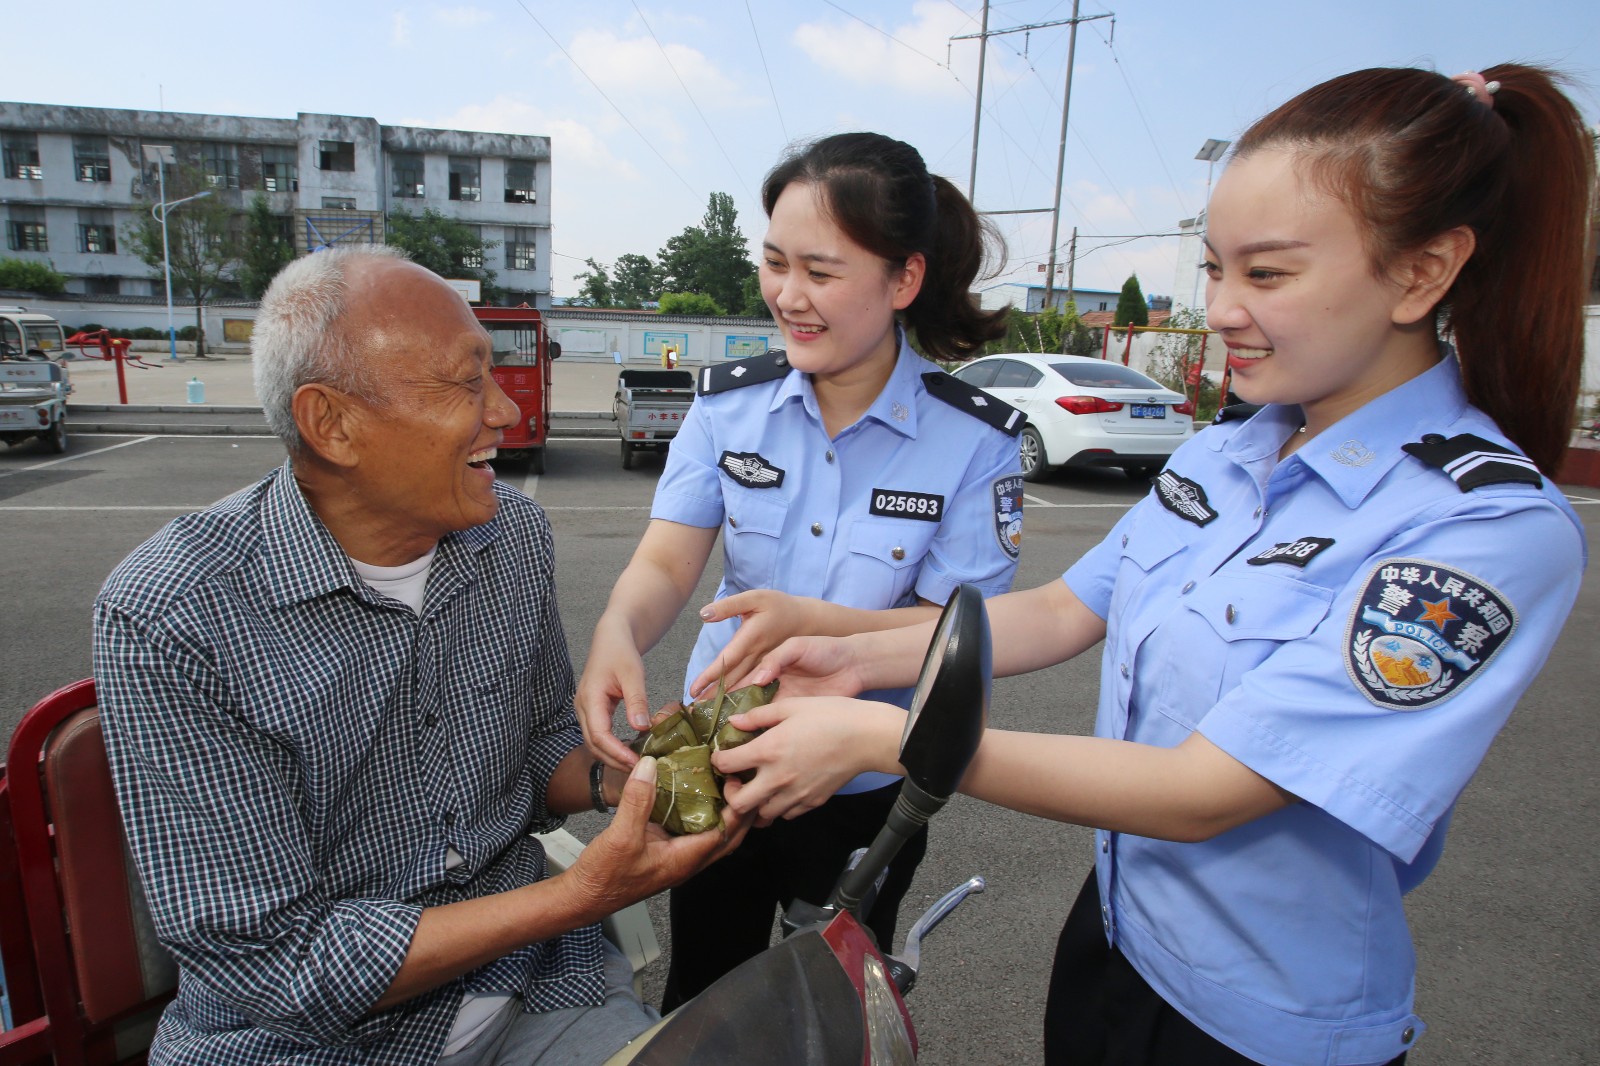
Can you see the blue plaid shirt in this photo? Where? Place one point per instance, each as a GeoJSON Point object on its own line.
{"type": "Point", "coordinates": [294, 754]}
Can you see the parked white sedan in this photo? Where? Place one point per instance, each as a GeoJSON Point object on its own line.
{"type": "Point", "coordinates": [1085, 412]}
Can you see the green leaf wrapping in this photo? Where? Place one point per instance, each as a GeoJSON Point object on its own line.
{"type": "Point", "coordinates": [688, 789]}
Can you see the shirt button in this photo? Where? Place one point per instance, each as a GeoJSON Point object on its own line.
{"type": "Point", "coordinates": [1410, 1034]}
{"type": "Point", "coordinates": [898, 553]}
{"type": "Point", "coordinates": [1124, 669]}
{"type": "Point", "coordinates": [733, 523]}
{"type": "Point", "coordinates": [830, 455]}
{"type": "Point", "coordinates": [1188, 586]}
{"type": "Point", "coordinates": [1230, 614]}
{"type": "Point", "coordinates": [449, 817]}
{"type": "Point", "coordinates": [431, 721]}
{"type": "Point", "coordinates": [1257, 513]}
{"type": "Point", "coordinates": [1431, 438]}
{"type": "Point", "coordinates": [1124, 540]}
{"type": "Point", "coordinates": [1105, 845]}
{"type": "Point", "coordinates": [816, 529]}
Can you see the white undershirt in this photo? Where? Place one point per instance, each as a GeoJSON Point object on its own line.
{"type": "Point", "coordinates": [408, 583]}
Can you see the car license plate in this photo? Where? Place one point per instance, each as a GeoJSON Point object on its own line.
{"type": "Point", "coordinates": [1149, 410]}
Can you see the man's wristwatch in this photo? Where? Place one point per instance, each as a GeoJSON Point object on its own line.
{"type": "Point", "coordinates": [597, 791]}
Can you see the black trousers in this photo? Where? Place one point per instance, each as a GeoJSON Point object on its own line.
{"type": "Point", "coordinates": [1100, 1012]}
{"type": "Point", "coordinates": [724, 914]}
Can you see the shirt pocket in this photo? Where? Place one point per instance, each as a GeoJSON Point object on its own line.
{"type": "Point", "coordinates": [884, 560]}
{"type": "Point", "coordinates": [1145, 548]}
{"type": "Point", "coordinates": [751, 536]}
{"type": "Point", "coordinates": [1225, 627]}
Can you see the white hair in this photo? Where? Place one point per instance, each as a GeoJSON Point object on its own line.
{"type": "Point", "coordinates": [298, 339]}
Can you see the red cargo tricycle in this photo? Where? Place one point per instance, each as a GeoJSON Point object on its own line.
{"type": "Point", "coordinates": [522, 354]}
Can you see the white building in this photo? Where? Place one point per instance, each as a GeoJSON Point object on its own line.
{"type": "Point", "coordinates": [1031, 298]}
{"type": "Point", "coordinates": [74, 178]}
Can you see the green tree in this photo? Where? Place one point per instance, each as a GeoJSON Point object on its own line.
{"type": "Point", "coordinates": [1132, 308]}
{"type": "Point", "coordinates": [755, 305]}
{"type": "Point", "coordinates": [449, 248]}
{"type": "Point", "coordinates": [202, 242]}
{"type": "Point", "coordinates": [30, 275]}
{"type": "Point", "coordinates": [689, 303]}
{"type": "Point", "coordinates": [1045, 332]}
{"type": "Point", "coordinates": [635, 279]}
{"type": "Point", "coordinates": [594, 287]}
{"type": "Point", "coordinates": [1176, 359]}
{"type": "Point", "coordinates": [711, 258]}
{"type": "Point", "coordinates": [267, 248]}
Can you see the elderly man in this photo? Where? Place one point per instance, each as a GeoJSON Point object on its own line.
{"type": "Point", "coordinates": [338, 702]}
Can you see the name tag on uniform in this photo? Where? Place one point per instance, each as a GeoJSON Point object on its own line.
{"type": "Point", "coordinates": [898, 503]}
{"type": "Point", "coordinates": [1295, 553]}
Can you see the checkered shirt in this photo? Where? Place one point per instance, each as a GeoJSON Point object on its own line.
{"type": "Point", "coordinates": [295, 752]}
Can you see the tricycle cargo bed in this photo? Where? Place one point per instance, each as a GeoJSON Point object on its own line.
{"type": "Point", "coordinates": [649, 407]}
{"type": "Point", "coordinates": [655, 379]}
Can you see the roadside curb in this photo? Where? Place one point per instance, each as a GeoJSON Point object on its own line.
{"type": "Point", "coordinates": [221, 420]}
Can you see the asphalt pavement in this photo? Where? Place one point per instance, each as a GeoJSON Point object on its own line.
{"type": "Point", "coordinates": [1506, 928]}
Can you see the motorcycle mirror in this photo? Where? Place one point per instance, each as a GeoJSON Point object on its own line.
{"type": "Point", "coordinates": [950, 704]}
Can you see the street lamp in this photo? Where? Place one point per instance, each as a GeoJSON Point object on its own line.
{"type": "Point", "coordinates": [1208, 154]}
{"type": "Point", "coordinates": [163, 156]}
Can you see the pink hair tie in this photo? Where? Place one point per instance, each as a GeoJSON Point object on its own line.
{"type": "Point", "coordinates": [1480, 90]}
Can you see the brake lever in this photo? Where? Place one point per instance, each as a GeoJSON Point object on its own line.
{"type": "Point", "coordinates": [903, 966]}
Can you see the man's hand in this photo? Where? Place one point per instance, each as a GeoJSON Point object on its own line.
{"type": "Point", "coordinates": [634, 859]}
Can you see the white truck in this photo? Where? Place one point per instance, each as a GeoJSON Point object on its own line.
{"type": "Point", "coordinates": [33, 384]}
{"type": "Point", "coordinates": [648, 407]}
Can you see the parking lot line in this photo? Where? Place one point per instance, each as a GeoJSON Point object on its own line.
{"type": "Point", "coordinates": [70, 458]}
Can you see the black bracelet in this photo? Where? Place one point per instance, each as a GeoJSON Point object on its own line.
{"type": "Point", "coordinates": [597, 791]}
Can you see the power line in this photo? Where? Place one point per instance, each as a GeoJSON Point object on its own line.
{"type": "Point", "coordinates": [620, 113]}
{"type": "Point", "coordinates": [692, 103]}
{"type": "Point", "coordinates": [770, 87]}
{"type": "Point", "coordinates": [1139, 110]}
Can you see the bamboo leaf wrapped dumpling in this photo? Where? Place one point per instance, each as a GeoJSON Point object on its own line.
{"type": "Point", "coordinates": [688, 788]}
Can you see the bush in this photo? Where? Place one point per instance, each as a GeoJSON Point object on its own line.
{"type": "Point", "coordinates": [689, 303]}
{"type": "Point", "coordinates": [187, 333]}
{"type": "Point", "coordinates": [29, 275]}
{"type": "Point", "coordinates": [145, 333]}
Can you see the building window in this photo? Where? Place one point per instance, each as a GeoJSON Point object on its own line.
{"type": "Point", "coordinates": [336, 155]}
{"type": "Point", "coordinates": [521, 253]}
{"type": "Point", "coordinates": [97, 233]}
{"type": "Point", "coordinates": [25, 231]}
{"type": "Point", "coordinates": [519, 183]}
{"type": "Point", "coordinates": [338, 203]}
{"type": "Point", "coordinates": [406, 169]}
{"type": "Point", "coordinates": [280, 169]}
{"type": "Point", "coordinates": [464, 183]}
{"type": "Point", "coordinates": [91, 158]}
{"type": "Point", "coordinates": [473, 260]}
{"type": "Point", "coordinates": [21, 152]}
{"type": "Point", "coordinates": [221, 164]}
{"type": "Point", "coordinates": [102, 286]}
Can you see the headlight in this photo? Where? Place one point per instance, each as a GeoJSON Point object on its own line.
{"type": "Point", "coordinates": [888, 1038]}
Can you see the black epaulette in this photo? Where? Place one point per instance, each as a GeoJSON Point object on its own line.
{"type": "Point", "coordinates": [974, 401]}
{"type": "Point", "coordinates": [1236, 412]}
{"type": "Point", "coordinates": [768, 366]}
{"type": "Point", "coordinates": [1473, 462]}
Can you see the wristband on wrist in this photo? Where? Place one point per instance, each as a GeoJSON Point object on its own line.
{"type": "Point", "coordinates": [597, 791]}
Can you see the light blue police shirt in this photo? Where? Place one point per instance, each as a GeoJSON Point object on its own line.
{"type": "Point", "coordinates": [913, 499]}
{"type": "Point", "coordinates": [1353, 626]}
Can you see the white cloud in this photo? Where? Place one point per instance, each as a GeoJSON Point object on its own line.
{"type": "Point", "coordinates": [915, 65]}
{"type": "Point", "coordinates": [574, 144]}
{"type": "Point", "coordinates": [400, 30]}
{"type": "Point", "coordinates": [629, 64]}
{"type": "Point", "coordinates": [462, 18]}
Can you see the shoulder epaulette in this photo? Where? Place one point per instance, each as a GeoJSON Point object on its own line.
{"type": "Point", "coordinates": [1473, 462]}
{"type": "Point", "coordinates": [974, 401]}
{"type": "Point", "coordinates": [1236, 412]}
{"type": "Point", "coordinates": [769, 366]}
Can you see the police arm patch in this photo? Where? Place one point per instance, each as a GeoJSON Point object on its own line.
{"type": "Point", "coordinates": [1419, 632]}
{"type": "Point", "coordinates": [1008, 514]}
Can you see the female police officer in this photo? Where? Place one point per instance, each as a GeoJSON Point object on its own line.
{"type": "Point", "coordinates": [846, 470]}
{"type": "Point", "coordinates": [1320, 617]}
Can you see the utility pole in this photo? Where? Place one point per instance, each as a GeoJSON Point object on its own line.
{"type": "Point", "coordinates": [977, 107]}
{"type": "Point", "coordinates": [1061, 154]}
{"type": "Point", "coordinates": [1072, 261]}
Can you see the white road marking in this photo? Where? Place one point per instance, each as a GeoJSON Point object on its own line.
{"type": "Point", "coordinates": [80, 455]}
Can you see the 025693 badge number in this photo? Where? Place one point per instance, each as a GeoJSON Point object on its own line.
{"type": "Point", "coordinates": [899, 503]}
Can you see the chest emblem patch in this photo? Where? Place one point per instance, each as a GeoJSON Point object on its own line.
{"type": "Point", "coordinates": [1420, 631]}
{"type": "Point", "coordinates": [750, 470]}
{"type": "Point", "coordinates": [1008, 513]}
{"type": "Point", "coordinates": [1295, 552]}
{"type": "Point", "coordinates": [1184, 498]}
{"type": "Point", "coordinates": [1353, 453]}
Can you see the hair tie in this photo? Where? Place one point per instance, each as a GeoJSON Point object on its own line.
{"type": "Point", "coordinates": [1480, 90]}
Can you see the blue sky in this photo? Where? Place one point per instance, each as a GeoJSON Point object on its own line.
{"type": "Point", "coordinates": [651, 106]}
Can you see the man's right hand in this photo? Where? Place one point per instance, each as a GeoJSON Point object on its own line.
{"type": "Point", "coordinates": [634, 858]}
